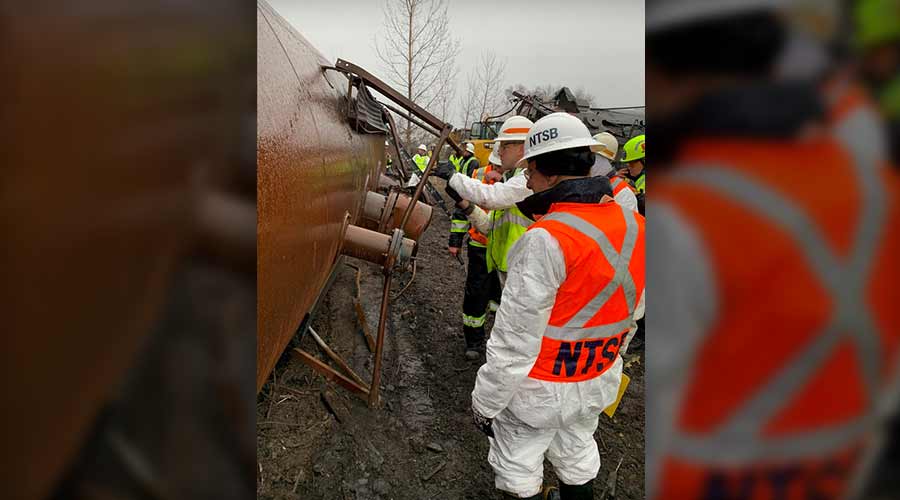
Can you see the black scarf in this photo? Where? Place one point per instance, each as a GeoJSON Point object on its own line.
{"type": "Point", "coordinates": [763, 110]}
{"type": "Point", "coordinates": [580, 190]}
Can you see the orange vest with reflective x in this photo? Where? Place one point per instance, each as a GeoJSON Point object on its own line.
{"type": "Point", "coordinates": [479, 174]}
{"type": "Point", "coordinates": [787, 384]}
{"type": "Point", "coordinates": [603, 246]}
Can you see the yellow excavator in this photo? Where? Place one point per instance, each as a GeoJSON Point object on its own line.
{"type": "Point", "coordinates": [481, 135]}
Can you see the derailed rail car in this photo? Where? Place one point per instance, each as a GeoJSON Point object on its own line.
{"type": "Point", "coordinates": [316, 177]}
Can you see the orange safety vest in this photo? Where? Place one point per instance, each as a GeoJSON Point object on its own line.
{"type": "Point", "coordinates": [618, 184]}
{"type": "Point", "coordinates": [806, 334]}
{"type": "Point", "coordinates": [479, 174]}
{"type": "Point", "coordinates": [603, 246]}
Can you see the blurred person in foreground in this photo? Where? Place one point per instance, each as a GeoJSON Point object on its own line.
{"type": "Point", "coordinates": [773, 336]}
{"type": "Point", "coordinates": [129, 251]}
{"type": "Point", "coordinates": [575, 283]}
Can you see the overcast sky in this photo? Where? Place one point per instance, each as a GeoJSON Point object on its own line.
{"type": "Point", "coordinates": [595, 44]}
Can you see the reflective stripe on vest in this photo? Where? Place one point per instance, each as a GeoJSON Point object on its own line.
{"type": "Point", "coordinates": [585, 332]}
{"type": "Point", "coordinates": [475, 237]}
{"type": "Point", "coordinates": [842, 277]}
{"type": "Point", "coordinates": [618, 184]}
{"type": "Point", "coordinates": [464, 166]}
{"type": "Point", "coordinates": [507, 226]}
{"type": "Point", "coordinates": [474, 321]}
{"type": "Point", "coordinates": [459, 225]}
{"type": "Point", "coordinates": [640, 185]}
{"type": "Point", "coordinates": [479, 174]}
{"type": "Point", "coordinates": [775, 415]}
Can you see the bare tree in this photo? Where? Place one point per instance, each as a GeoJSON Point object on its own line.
{"type": "Point", "coordinates": [447, 93]}
{"type": "Point", "coordinates": [418, 53]}
{"type": "Point", "coordinates": [484, 94]}
{"type": "Point", "coordinates": [468, 103]}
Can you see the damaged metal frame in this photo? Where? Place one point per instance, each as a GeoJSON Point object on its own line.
{"type": "Point", "coordinates": [397, 252]}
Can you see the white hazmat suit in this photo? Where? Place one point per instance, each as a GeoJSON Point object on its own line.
{"type": "Point", "coordinates": [535, 417]}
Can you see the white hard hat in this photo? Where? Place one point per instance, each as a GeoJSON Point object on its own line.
{"type": "Point", "coordinates": [555, 132]}
{"type": "Point", "coordinates": [664, 14]}
{"type": "Point", "coordinates": [515, 128]}
{"type": "Point", "coordinates": [422, 147]}
{"type": "Point", "coordinates": [470, 147]}
{"type": "Point", "coordinates": [495, 155]}
{"type": "Point", "coordinates": [608, 146]}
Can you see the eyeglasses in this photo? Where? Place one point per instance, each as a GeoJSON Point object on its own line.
{"type": "Point", "coordinates": [527, 173]}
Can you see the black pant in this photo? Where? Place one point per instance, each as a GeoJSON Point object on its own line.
{"type": "Point", "coordinates": [481, 288]}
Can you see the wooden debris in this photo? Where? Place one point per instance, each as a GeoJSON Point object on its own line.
{"type": "Point", "coordinates": [434, 471]}
{"type": "Point", "coordinates": [335, 406]}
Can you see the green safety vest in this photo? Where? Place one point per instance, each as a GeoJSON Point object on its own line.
{"type": "Point", "coordinates": [464, 167]}
{"type": "Point", "coordinates": [641, 183]}
{"type": "Point", "coordinates": [455, 160]}
{"type": "Point", "coordinates": [421, 162]}
{"type": "Point", "coordinates": [507, 226]}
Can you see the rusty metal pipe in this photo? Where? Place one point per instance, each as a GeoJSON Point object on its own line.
{"type": "Point", "coordinates": [397, 144]}
{"type": "Point", "coordinates": [383, 214]}
{"type": "Point", "coordinates": [328, 371]}
{"type": "Point", "coordinates": [336, 358]}
{"type": "Point", "coordinates": [415, 121]}
{"type": "Point", "coordinates": [365, 244]}
{"type": "Point", "coordinates": [374, 206]}
{"type": "Point", "coordinates": [418, 220]}
{"type": "Point", "coordinates": [373, 246]}
{"type": "Point", "coordinates": [375, 386]}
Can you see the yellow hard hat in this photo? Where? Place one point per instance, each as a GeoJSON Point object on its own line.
{"type": "Point", "coordinates": [634, 149]}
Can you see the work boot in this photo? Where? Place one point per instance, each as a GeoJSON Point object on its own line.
{"type": "Point", "coordinates": [476, 352]}
{"type": "Point", "coordinates": [474, 343]}
{"type": "Point", "coordinates": [581, 492]}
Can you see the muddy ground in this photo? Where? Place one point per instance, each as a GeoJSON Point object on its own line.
{"type": "Point", "coordinates": [420, 443]}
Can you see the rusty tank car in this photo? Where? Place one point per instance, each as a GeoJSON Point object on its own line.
{"type": "Point", "coordinates": [319, 165]}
